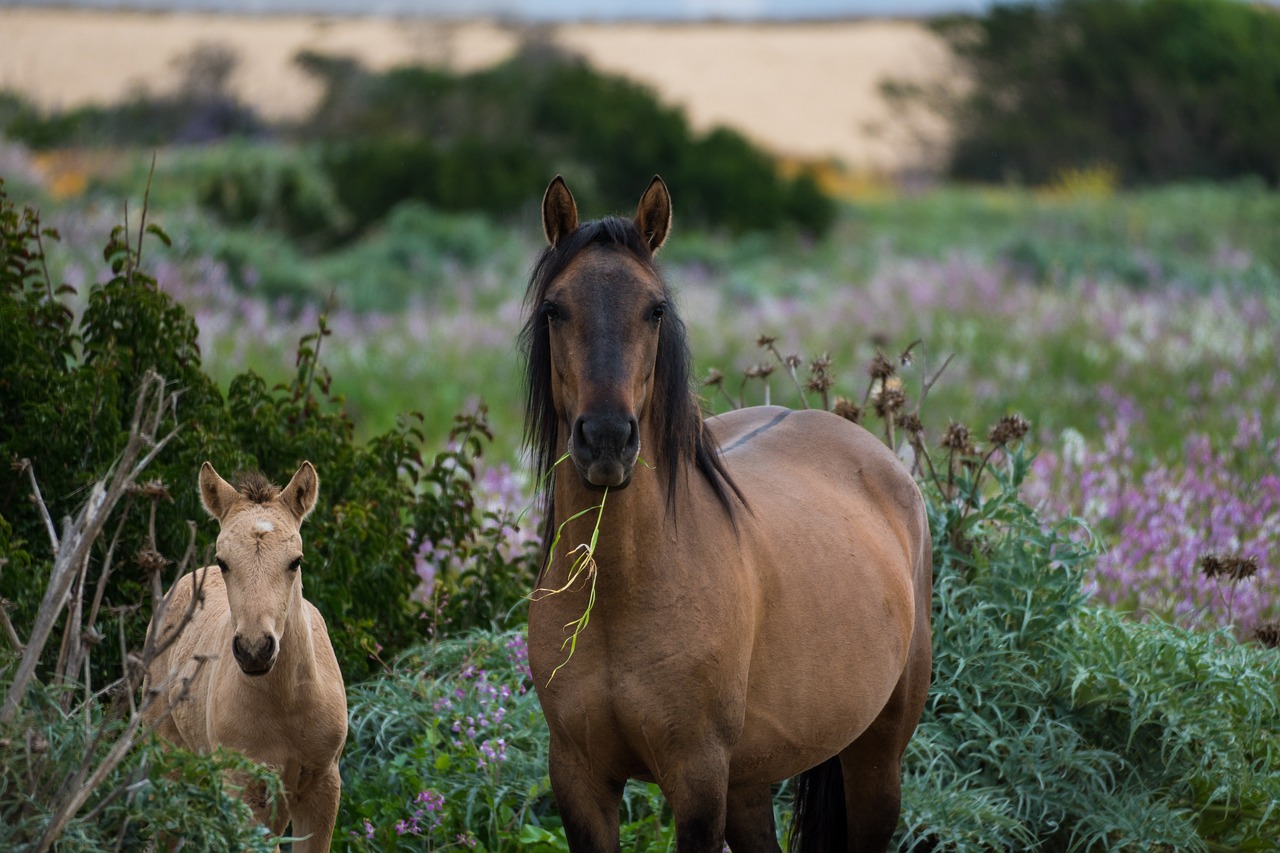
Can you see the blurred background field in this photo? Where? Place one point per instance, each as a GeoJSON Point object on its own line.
{"type": "Point", "coordinates": [1087, 226]}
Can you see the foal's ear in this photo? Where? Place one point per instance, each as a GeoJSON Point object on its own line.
{"type": "Point", "coordinates": [301, 493]}
{"type": "Point", "coordinates": [653, 216]}
{"type": "Point", "coordinates": [559, 211]}
{"type": "Point", "coordinates": [217, 495]}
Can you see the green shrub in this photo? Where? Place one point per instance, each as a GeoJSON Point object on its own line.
{"type": "Point", "coordinates": [1158, 89]}
{"type": "Point", "coordinates": [490, 140]}
{"type": "Point", "coordinates": [155, 794]}
{"type": "Point", "coordinates": [1057, 725]}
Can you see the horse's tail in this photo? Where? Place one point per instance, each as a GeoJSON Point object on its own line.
{"type": "Point", "coordinates": [818, 818]}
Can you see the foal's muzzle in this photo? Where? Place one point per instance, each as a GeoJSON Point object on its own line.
{"type": "Point", "coordinates": [255, 658]}
{"type": "Point", "coordinates": [604, 449]}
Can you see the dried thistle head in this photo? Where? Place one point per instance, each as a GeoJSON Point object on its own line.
{"type": "Point", "coordinates": [793, 360]}
{"type": "Point", "coordinates": [714, 378]}
{"type": "Point", "coordinates": [1008, 429]}
{"type": "Point", "coordinates": [910, 423]}
{"type": "Point", "coordinates": [1229, 566]}
{"type": "Point", "coordinates": [150, 560]}
{"type": "Point", "coordinates": [150, 489]}
{"type": "Point", "coordinates": [889, 401]}
{"type": "Point", "coordinates": [820, 364]}
{"type": "Point", "coordinates": [819, 383]}
{"type": "Point", "coordinates": [881, 368]}
{"type": "Point", "coordinates": [956, 438]}
{"type": "Point", "coordinates": [848, 410]}
{"type": "Point", "coordinates": [1268, 633]}
{"type": "Point", "coordinates": [765, 341]}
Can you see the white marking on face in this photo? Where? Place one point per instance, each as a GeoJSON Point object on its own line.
{"type": "Point", "coordinates": [265, 526]}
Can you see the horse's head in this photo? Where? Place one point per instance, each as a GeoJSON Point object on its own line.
{"type": "Point", "coordinates": [259, 552]}
{"type": "Point", "coordinates": [599, 314]}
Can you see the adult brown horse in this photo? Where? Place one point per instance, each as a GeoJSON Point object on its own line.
{"type": "Point", "coordinates": [270, 686]}
{"type": "Point", "coordinates": [764, 577]}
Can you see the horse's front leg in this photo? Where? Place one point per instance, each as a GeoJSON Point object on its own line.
{"type": "Point", "coordinates": [588, 802]}
{"type": "Point", "coordinates": [749, 825]}
{"type": "Point", "coordinates": [315, 810]}
{"type": "Point", "coordinates": [696, 784]}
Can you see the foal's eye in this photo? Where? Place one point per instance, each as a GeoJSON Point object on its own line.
{"type": "Point", "coordinates": [293, 567]}
{"type": "Point", "coordinates": [222, 564]}
{"type": "Point", "coordinates": [658, 311]}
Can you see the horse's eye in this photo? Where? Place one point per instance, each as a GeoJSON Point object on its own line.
{"type": "Point", "coordinates": [293, 567]}
{"type": "Point", "coordinates": [551, 311]}
{"type": "Point", "coordinates": [658, 311]}
{"type": "Point", "coordinates": [222, 564]}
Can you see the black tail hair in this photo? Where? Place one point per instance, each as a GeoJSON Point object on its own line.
{"type": "Point", "coordinates": [818, 823]}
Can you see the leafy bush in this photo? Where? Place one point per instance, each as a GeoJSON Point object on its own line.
{"type": "Point", "coordinates": [489, 141]}
{"type": "Point", "coordinates": [1157, 89]}
{"type": "Point", "coordinates": [200, 110]}
{"type": "Point", "coordinates": [1057, 725]}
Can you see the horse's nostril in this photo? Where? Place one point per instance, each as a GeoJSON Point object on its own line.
{"type": "Point", "coordinates": [633, 440]}
{"type": "Point", "coordinates": [270, 647]}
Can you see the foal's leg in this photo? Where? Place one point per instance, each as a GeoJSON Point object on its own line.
{"type": "Point", "coordinates": [588, 804]}
{"type": "Point", "coordinates": [749, 826]}
{"type": "Point", "coordinates": [315, 810]}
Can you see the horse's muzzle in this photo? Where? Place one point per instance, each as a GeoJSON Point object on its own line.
{"type": "Point", "coordinates": [255, 658]}
{"type": "Point", "coordinates": [604, 449]}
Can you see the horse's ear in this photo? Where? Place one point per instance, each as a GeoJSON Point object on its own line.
{"type": "Point", "coordinates": [301, 493]}
{"type": "Point", "coordinates": [217, 495]}
{"type": "Point", "coordinates": [653, 216]}
{"type": "Point", "coordinates": [559, 211]}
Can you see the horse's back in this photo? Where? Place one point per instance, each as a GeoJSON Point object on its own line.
{"type": "Point", "coordinates": [836, 536]}
{"type": "Point", "coordinates": [814, 459]}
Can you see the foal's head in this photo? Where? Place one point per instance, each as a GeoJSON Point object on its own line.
{"type": "Point", "coordinates": [259, 552]}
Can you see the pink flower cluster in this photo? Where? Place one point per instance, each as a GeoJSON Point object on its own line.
{"type": "Point", "coordinates": [1157, 523]}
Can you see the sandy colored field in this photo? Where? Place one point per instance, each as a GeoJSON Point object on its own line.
{"type": "Point", "coordinates": [806, 90]}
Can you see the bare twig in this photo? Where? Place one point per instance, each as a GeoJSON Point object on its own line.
{"type": "Point", "coordinates": [38, 500]}
{"type": "Point", "coordinates": [80, 533]}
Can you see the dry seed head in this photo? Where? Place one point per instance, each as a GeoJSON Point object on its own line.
{"type": "Point", "coordinates": [765, 341]}
{"type": "Point", "coordinates": [881, 367]}
{"type": "Point", "coordinates": [956, 438]}
{"type": "Point", "coordinates": [1232, 567]}
{"type": "Point", "coordinates": [150, 560]}
{"type": "Point", "coordinates": [793, 360]}
{"type": "Point", "coordinates": [848, 410]}
{"type": "Point", "coordinates": [820, 364]}
{"type": "Point", "coordinates": [1008, 429]}
{"type": "Point", "coordinates": [889, 401]}
{"type": "Point", "coordinates": [911, 423]}
{"type": "Point", "coordinates": [819, 382]}
{"type": "Point", "coordinates": [714, 378]}
{"type": "Point", "coordinates": [1268, 633]}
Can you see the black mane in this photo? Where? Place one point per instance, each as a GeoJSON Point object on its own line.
{"type": "Point", "coordinates": [677, 416]}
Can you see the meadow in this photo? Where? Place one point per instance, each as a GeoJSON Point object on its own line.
{"type": "Point", "coordinates": [1134, 330]}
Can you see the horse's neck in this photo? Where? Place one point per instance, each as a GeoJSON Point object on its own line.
{"type": "Point", "coordinates": [297, 662]}
{"type": "Point", "coordinates": [626, 531]}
